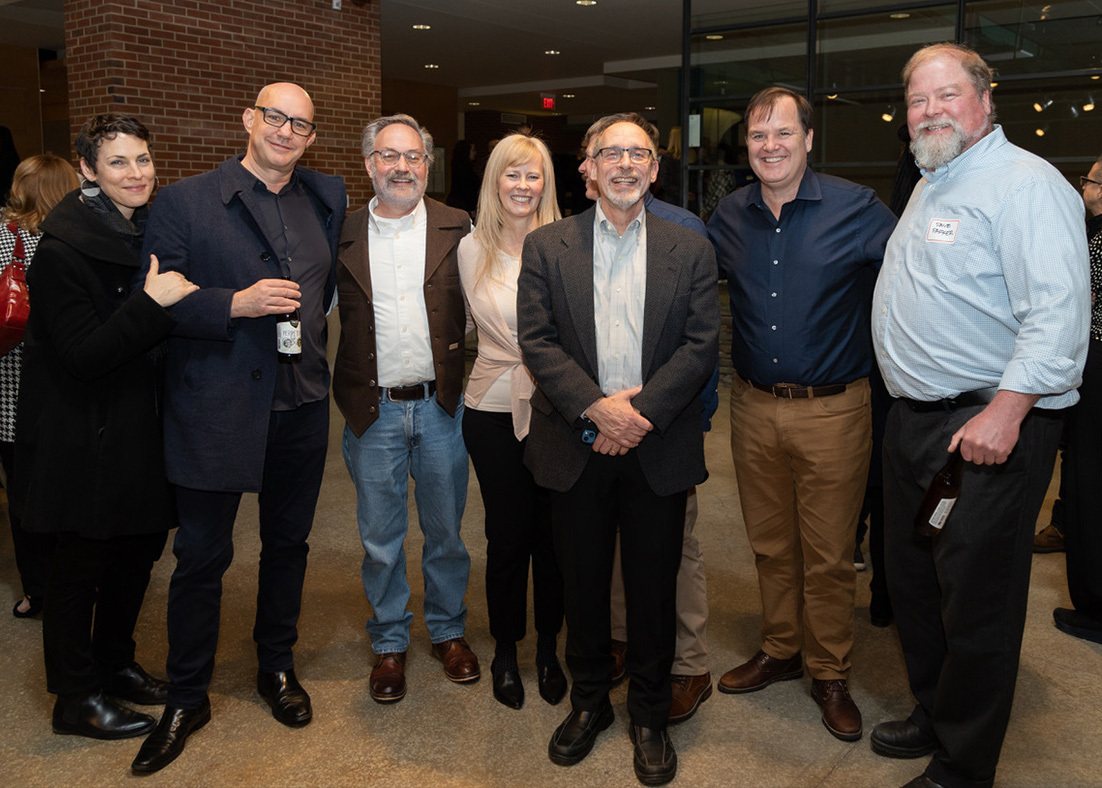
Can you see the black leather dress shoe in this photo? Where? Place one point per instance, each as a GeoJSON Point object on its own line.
{"type": "Point", "coordinates": [168, 738]}
{"type": "Point", "coordinates": [574, 738]}
{"type": "Point", "coordinates": [98, 717]}
{"type": "Point", "coordinates": [901, 739]}
{"type": "Point", "coordinates": [552, 682]}
{"type": "Point", "coordinates": [28, 607]}
{"type": "Point", "coordinates": [289, 701]}
{"type": "Point", "coordinates": [1078, 624]}
{"type": "Point", "coordinates": [922, 781]}
{"type": "Point", "coordinates": [654, 760]}
{"type": "Point", "coordinates": [132, 683]}
{"type": "Point", "coordinates": [507, 686]}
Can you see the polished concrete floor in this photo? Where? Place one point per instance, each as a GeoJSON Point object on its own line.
{"type": "Point", "coordinates": [445, 734]}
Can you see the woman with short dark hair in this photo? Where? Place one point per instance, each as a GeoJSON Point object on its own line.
{"type": "Point", "coordinates": [88, 434]}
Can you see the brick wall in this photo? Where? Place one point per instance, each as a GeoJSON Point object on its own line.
{"type": "Point", "coordinates": [188, 68]}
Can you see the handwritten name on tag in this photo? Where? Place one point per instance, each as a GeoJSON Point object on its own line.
{"type": "Point", "coordinates": [942, 231]}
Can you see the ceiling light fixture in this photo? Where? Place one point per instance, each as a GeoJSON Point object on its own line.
{"type": "Point", "coordinates": [888, 116]}
{"type": "Point", "coordinates": [568, 95]}
{"type": "Point", "coordinates": [422, 27]}
{"type": "Point", "coordinates": [551, 52]}
{"type": "Point", "coordinates": [832, 96]}
{"type": "Point", "coordinates": [650, 109]}
{"type": "Point", "coordinates": [431, 65]}
{"type": "Point", "coordinates": [1041, 131]}
{"type": "Point", "coordinates": [1089, 106]}
{"type": "Point", "coordinates": [900, 15]}
{"type": "Point", "coordinates": [714, 37]}
{"type": "Point", "coordinates": [585, 2]}
{"type": "Point", "coordinates": [994, 85]}
{"type": "Point", "coordinates": [474, 103]}
{"type": "Point", "coordinates": [1041, 106]}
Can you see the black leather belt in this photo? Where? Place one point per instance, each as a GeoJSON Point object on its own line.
{"type": "Point", "coordinates": [790, 391]}
{"type": "Point", "coordinates": [966, 399]}
{"type": "Point", "coordinates": [408, 393]}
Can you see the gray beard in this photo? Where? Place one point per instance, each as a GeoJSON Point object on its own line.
{"type": "Point", "coordinates": [934, 152]}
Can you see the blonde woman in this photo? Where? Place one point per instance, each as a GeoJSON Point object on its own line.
{"type": "Point", "coordinates": [517, 196]}
{"type": "Point", "coordinates": [38, 185]}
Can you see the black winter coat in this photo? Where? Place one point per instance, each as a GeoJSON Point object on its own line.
{"type": "Point", "coordinates": [88, 438]}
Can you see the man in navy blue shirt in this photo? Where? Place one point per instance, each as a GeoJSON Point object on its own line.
{"type": "Point", "coordinates": [801, 252]}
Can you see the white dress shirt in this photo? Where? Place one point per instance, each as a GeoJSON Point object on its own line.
{"type": "Point", "coordinates": [619, 293]}
{"type": "Point", "coordinates": [397, 253]}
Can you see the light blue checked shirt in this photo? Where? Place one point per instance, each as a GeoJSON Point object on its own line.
{"type": "Point", "coordinates": [619, 293]}
{"type": "Point", "coordinates": [986, 281]}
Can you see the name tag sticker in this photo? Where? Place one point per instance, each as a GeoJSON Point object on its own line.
{"type": "Point", "coordinates": [942, 231]}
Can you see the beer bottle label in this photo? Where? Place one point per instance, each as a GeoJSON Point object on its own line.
{"type": "Point", "coordinates": [289, 337]}
{"type": "Point", "coordinates": [941, 513]}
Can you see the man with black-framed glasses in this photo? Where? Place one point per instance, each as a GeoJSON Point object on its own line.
{"type": "Point", "coordinates": [259, 236]}
{"type": "Point", "coordinates": [397, 380]}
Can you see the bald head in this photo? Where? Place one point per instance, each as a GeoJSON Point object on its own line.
{"type": "Point", "coordinates": [273, 149]}
{"type": "Point", "coordinates": [271, 95]}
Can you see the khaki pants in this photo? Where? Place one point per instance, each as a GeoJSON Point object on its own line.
{"type": "Point", "coordinates": [801, 467]}
{"type": "Point", "coordinates": [691, 650]}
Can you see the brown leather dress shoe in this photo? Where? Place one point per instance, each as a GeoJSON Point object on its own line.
{"type": "Point", "coordinates": [840, 714]}
{"type": "Point", "coordinates": [761, 671]}
{"type": "Point", "coordinates": [687, 693]}
{"type": "Point", "coordinates": [388, 678]}
{"type": "Point", "coordinates": [460, 663]}
{"type": "Point", "coordinates": [619, 662]}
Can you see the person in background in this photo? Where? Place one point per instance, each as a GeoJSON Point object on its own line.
{"type": "Point", "coordinates": [466, 182]}
{"type": "Point", "coordinates": [518, 195]}
{"type": "Point", "coordinates": [89, 425]}
{"type": "Point", "coordinates": [39, 184]}
{"type": "Point", "coordinates": [9, 160]}
{"type": "Point", "coordinates": [1082, 468]}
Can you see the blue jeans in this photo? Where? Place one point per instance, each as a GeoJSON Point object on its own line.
{"type": "Point", "coordinates": [415, 439]}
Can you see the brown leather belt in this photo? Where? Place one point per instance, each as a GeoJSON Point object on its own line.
{"type": "Point", "coordinates": [408, 393]}
{"type": "Point", "coordinates": [790, 391]}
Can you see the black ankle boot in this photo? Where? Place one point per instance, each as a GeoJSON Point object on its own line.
{"type": "Point", "coordinates": [96, 716]}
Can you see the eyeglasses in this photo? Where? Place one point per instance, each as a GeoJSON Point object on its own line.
{"type": "Point", "coordinates": [614, 155]}
{"type": "Point", "coordinates": [273, 117]}
{"type": "Point", "coordinates": [414, 158]}
{"type": "Point", "coordinates": [1084, 180]}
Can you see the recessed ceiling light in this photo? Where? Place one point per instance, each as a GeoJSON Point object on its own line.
{"type": "Point", "coordinates": [551, 52]}
{"type": "Point", "coordinates": [431, 65]}
{"type": "Point", "coordinates": [568, 95]}
{"type": "Point", "coordinates": [714, 37]}
{"type": "Point", "coordinates": [585, 2]}
{"type": "Point", "coordinates": [474, 103]}
{"type": "Point", "coordinates": [832, 96]}
{"type": "Point", "coordinates": [1039, 132]}
{"type": "Point", "coordinates": [422, 27]}
{"type": "Point", "coordinates": [650, 109]}
{"type": "Point", "coordinates": [1095, 76]}
{"type": "Point", "coordinates": [900, 15]}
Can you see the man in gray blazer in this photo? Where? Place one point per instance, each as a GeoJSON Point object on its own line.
{"type": "Point", "coordinates": [618, 322]}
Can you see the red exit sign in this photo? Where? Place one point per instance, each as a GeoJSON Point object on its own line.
{"type": "Point", "coordinates": [548, 102]}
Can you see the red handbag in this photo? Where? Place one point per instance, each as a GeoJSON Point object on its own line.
{"type": "Point", "coordinates": [15, 304]}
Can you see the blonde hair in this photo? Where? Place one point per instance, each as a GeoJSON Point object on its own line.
{"type": "Point", "coordinates": [38, 185]}
{"type": "Point", "coordinates": [673, 147]}
{"type": "Point", "coordinates": [513, 151]}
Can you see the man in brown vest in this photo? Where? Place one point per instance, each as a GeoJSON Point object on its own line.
{"type": "Point", "coordinates": [397, 380]}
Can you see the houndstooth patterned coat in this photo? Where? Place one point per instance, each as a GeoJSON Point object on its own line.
{"type": "Point", "coordinates": [11, 363]}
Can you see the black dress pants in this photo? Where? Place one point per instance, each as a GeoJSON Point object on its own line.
{"type": "Point", "coordinates": [960, 598]}
{"type": "Point", "coordinates": [614, 490]}
{"type": "Point", "coordinates": [92, 604]}
{"type": "Point", "coordinates": [293, 469]}
{"type": "Point", "coordinates": [1082, 490]}
{"type": "Point", "coordinates": [518, 531]}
